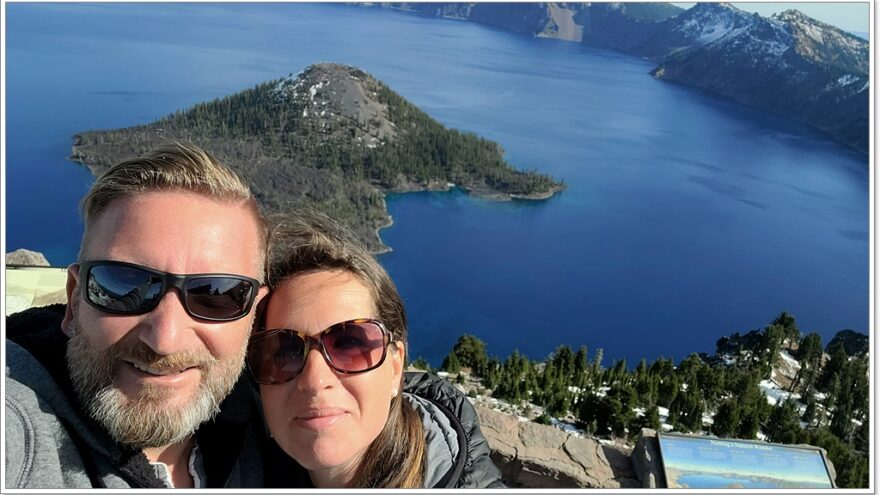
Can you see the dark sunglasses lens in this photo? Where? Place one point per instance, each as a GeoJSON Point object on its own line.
{"type": "Point", "coordinates": [275, 357]}
{"type": "Point", "coordinates": [355, 346]}
{"type": "Point", "coordinates": [218, 298]}
{"type": "Point", "coordinates": [123, 289]}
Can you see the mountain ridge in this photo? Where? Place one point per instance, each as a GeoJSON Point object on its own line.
{"type": "Point", "coordinates": [788, 64]}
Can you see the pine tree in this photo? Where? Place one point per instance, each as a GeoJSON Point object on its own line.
{"type": "Point", "coordinates": [422, 364]}
{"type": "Point", "coordinates": [451, 364]}
{"type": "Point", "coordinates": [809, 415]}
{"type": "Point", "coordinates": [471, 353]}
{"type": "Point", "coordinates": [783, 425]}
{"type": "Point", "coordinates": [650, 419]}
{"type": "Point", "coordinates": [808, 355]}
{"type": "Point", "coordinates": [789, 326]}
{"type": "Point", "coordinates": [834, 367]}
{"type": "Point", "coordinates": [580, 367]}
{"type": "Point", "coordinates": [726, 420]}
{"type": "Point", "coordinates": [597, 362]}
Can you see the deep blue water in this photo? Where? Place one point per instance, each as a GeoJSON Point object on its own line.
{"type": "Point", "coordinates": [720, 481]}
{"type": "Point", "coordinates": [686, 217]}
{"type": "Point", "coordinates": [697, 481]}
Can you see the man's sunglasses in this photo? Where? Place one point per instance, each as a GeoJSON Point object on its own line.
{"type": "Point", "coordinates": [354, 346]}
{"type": "Point", "coordinates": [128, 289]}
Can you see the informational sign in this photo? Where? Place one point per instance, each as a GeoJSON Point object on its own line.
{"type": "Point", "coordinates": [705, 462]}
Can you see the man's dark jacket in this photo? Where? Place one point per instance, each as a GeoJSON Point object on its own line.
{"type": "Point", "coordinates": [52, 443]}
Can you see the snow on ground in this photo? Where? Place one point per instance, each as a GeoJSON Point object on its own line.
{"type": "Point", "coordinates": [790, 360]}
{"type": "Point", "coordinates": [713, 33]}
{"type": "Point", "coordinates": [775, 48]}
{"type": "Point", "coordinates": [776, 395]}
{"type": "Point", "coordinates": [313, 91]}
{"type": "Point", "coordinates": [639, 411]}
{"type": "Point", "coordinates": [812, 31]}
{"type": "Point", "coordinates": [708, 419]}
{"type": "Point", "coordinates": [567, 427]}
{"type": "Point", "coordinates": [773, 393]}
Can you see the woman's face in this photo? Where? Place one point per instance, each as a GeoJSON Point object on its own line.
{"type": "Point", "coordinates": [323, 419]}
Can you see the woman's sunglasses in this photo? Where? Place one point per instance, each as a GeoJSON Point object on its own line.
{"type": "Point", "coordinates": [128, 289]}
{"type": "Point", "coordinates": [354, 346]}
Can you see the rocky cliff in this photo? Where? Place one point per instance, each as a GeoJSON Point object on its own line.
{"type": "Point", "coordinates": [531, 455]}
{"type": "Point", "coordinates": [789, 64]}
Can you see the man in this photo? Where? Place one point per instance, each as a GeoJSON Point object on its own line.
{"type": "Point", "coordinates": [125, 389]}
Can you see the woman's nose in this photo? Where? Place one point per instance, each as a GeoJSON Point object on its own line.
{"type": "Point", "coordinates": [316, 374]}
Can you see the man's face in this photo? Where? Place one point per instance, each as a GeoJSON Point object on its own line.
{"type": "Point", "coordinates": [151, 379]}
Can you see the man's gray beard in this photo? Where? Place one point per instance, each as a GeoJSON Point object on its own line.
{"type": "Point", "coordinates": [146, 421]}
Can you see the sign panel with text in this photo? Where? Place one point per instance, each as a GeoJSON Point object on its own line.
{"type": "Point", "coordinates": [704, 462]}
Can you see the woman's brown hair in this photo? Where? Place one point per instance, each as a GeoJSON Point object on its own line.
{"type": "Point", "coordinates": [312, 242]}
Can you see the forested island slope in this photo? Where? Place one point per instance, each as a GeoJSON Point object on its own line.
{"type": "Point", "coordinates": [332, 137]}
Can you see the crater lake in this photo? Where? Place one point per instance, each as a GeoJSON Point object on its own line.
{"type": "Point", "coordinates": [686, 216]}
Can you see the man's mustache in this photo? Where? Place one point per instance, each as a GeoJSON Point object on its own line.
{"type": "Point", "coordinates": [142, 354]}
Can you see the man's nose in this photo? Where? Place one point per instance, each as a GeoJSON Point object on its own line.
{"type": "Point", "coordinates": [164, 329]}
{"type": "Point", "coordinates": [316, 374]}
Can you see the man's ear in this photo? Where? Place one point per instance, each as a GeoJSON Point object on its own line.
{"type": "Point", "coordinates": [263, 292]}
{"type": "Point", "coordinates": [260, 303]}
{"type": "Point", "coordinates": [72, 293]}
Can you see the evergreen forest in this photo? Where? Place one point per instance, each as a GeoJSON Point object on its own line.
{"type": "Point", "coordinates": [827, 397]}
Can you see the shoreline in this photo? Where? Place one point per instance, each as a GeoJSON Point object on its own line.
{"type": "Point", "coordinates": [374, 242]}
{"type": "Point", "coordinates": [484, 194]}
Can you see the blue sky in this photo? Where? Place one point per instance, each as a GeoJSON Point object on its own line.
{"type": "Point", "coordinates": [849, 16]}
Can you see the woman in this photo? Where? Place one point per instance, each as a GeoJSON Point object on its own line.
{"type": "Point", "coordinates": [329, 359]}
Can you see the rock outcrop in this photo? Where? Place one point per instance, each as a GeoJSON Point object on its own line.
{"type": "Point", "coordinates": [531, 455]}
{"type": "Point", "coordinates": [31, 282]}
{"type": "Point", "coordinates": [646, 460]}
{"type": "Point", "coordinates": [24, 257]}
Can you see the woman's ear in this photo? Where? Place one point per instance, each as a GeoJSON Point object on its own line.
{"type": "Point", "coordinates": [397, 354]}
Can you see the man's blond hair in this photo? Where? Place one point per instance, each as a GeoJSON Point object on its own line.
{"type": "Point", "coordinates": [174, 167]}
